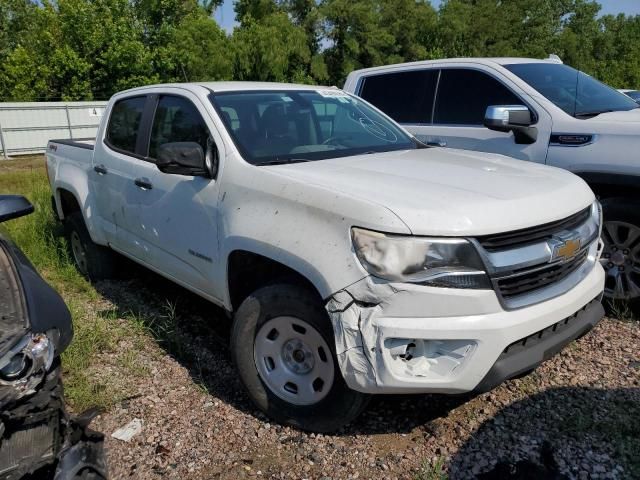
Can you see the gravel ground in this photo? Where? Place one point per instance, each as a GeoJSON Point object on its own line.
{"type": "Point", "coordinates": [577, 416]}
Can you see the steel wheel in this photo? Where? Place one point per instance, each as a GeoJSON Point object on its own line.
{"type": "Point", "coordinates": [79, 253]}
{"type": "Point", "coordinates": [293, 360]}
{"type": "Point", "coordinates": [621, 260]}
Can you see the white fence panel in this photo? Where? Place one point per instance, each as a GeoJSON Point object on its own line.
{"type": "Point", "coordinates": [26, 127]}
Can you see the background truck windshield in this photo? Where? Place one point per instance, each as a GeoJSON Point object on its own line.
{"type": "Point", "coordinates": [575, 92]}
{"type": "Point", "coordinates": [287, 126]}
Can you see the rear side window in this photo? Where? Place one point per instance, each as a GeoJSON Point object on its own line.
{"type": "Point", "coordinates": [464, 95]}
{"type": "Point", "coordinates": [407, 97]}
{"type": "Point", "coordinates": [122, 132]}
{"type": "Point", "coordinates": [177, 120]}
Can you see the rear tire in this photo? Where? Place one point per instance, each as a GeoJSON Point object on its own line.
{"type": "Point", "coordinates": [279, 342]}
{"type": "Point", "coordinates": [621, 254]}
{"type": "Point", "coordinates": [93, 261]}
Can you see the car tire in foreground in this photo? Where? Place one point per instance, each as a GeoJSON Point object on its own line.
{"type": "Point", "coordinates": [283, 347]}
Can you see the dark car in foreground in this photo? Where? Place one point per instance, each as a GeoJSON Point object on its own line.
{"type": "Point", "coordinates": [38, 438]}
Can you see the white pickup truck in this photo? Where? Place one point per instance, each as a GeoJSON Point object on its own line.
{"type": "Point", "coordinates": [354, 260]}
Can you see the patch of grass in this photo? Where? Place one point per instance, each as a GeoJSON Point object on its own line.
{"type": "Point", "coordinates": [41, 237]}
{"type": "Point", "coordinates": [621, 310]}
{"type": "Point", "coordinates": [432, 470]}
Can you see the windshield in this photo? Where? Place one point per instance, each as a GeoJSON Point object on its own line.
{"type": "Point", "coordinates": [633, 94]}
{"type": "Point", "coordinates": [301, 125]}
{"type": "Point", "coordinates": [575, 92]}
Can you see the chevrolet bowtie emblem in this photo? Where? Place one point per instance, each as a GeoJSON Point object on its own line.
{"type": "Point", "coordinates": [566, 250]}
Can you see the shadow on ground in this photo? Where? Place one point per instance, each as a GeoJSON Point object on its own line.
{"type": "Point", "coordinates": [196, 333]}
{"type": "Point", "coordinates": [560, 433]}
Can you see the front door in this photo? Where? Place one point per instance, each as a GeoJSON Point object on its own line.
{"type": "Point", "coordinates": [178, 214]}
{"type": "Point", "coordinates": [462, 98]}
{"type": "Point", "coordinates": [445, 105]}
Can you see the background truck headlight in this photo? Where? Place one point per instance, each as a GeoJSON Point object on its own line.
{"type": "Point", "coordinates": [438, 262]}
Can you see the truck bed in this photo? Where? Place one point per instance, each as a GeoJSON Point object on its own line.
{"type": "Point", "coordinates": [71, 152]}
{"type": "Point", "coordinates": [87, 143]}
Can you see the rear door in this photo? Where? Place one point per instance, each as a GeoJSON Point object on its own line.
{"type": "Point", "coordinates": [178, 214]}
{"type": "Point", "coordinates": [113, 174]}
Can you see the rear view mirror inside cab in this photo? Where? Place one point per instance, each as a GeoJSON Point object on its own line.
{"type": "Point", "coordinates": [512, 118]}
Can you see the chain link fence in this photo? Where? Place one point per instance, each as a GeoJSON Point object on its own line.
{"type": "Point", "coordinates": [26, 127]}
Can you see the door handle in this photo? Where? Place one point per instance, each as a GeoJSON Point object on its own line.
{"type": "Point", "coordinates": [143, 183]}
{"type": "Point", "coordinates": [437, 143]}
{"type": "Point", "coordinates": [100, 169]}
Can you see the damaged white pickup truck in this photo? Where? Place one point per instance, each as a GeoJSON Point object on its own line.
{"type": "Point", "coordinates": [354, 260]}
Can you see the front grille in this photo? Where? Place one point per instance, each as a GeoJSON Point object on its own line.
{"type": "Point", "coordinates": [540, 233]}
{"type": "Point", "coordinates": [530, 280]}
{"type": "Point", "coordinates": [33, 444]}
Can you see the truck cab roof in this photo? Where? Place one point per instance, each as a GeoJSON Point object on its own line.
{"type": "Point", "coordinates": [230, 86]}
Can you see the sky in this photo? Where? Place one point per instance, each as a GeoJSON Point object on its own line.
{"type": "Point", "coordinates": [226, 16]}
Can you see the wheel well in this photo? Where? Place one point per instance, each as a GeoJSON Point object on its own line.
{"type": "Point", "coordinates": [247, 271]}
{"type": "Point", "coordinates": [68, 202]}
{"type": "Point", "coordinates": [603, 190]}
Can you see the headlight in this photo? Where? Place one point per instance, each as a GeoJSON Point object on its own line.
{"type": "Point", "coordinates": [596, 212]}
{"type": "Point", "coordinates": [440, 262]}
{"type": "Point", "coordinates": [33, 353]}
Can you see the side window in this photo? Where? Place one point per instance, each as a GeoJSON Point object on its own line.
{"type": "Point", "coordinates": [464, 95]}
{"type": "Point", "coordinates": [122, 132]}
{"type": "Point", "coordinates": [177, 120]}
{"type": "Point", "coordinates": [407, 97]}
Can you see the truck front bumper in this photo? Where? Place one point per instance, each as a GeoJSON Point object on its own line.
{"type": "Point", "coordinates": [393, 338]}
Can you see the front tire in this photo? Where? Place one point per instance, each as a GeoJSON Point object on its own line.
{"type": "Point", "coordinates": [282, 345]}
{"type": "Point", "coordinates": [621, 253]}
{"type": "Point", "coordinates": [93, 261]}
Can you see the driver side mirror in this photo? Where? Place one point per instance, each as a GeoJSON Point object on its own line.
{"type": "Point", "coordinates": [512, 118]}
{"type": "Point", "coordinates": [14, 206]}
{"type": "Point", "coordinates": [182, 158]}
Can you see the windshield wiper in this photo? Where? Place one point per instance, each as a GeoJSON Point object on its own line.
{"type": "Point", "coordinates": [283, 161]}
{"type": "Point", "coordinates": [592, 114]}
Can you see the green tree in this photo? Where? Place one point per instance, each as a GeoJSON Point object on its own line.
{"type": "Point", "coordinates": [495, 28]}
{"type": "Point", "coordinates": [248, 11]}
{"type": "Point", "coordinates": [198, 50]}
{"type": "Point", "coordinates": [273, 49]}
{"type": "Point", "coordinates": [354, 35]}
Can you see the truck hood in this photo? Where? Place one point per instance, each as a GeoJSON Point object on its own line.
{"type": "Point", "coordinates": [451, 192]}
{"type": "Point", "coordinates": [626, 123]}
{"type": "Point", "coordinates": [13, 319]}
{"type": "Point", "coordinates": [627, 116]}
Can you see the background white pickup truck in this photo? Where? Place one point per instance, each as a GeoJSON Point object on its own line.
{"type": "Point", "coordinates": [353, 259]}
{"type": "Point", "coordinates": [536, 110]}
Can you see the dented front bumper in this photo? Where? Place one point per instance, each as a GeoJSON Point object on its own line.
{"type": "Point", "coordinates": [403, 338]}
{"type": "Point", "coordinates": [38, 439]}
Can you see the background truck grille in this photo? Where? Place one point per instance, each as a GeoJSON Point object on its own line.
{"type": "Point", "coordinates": [529, 280]}
{"type": "Point", "coordinates": [540, 233]}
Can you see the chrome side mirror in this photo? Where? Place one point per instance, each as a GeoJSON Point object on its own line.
{"type": "Point", "coordinates": [512, 118]}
